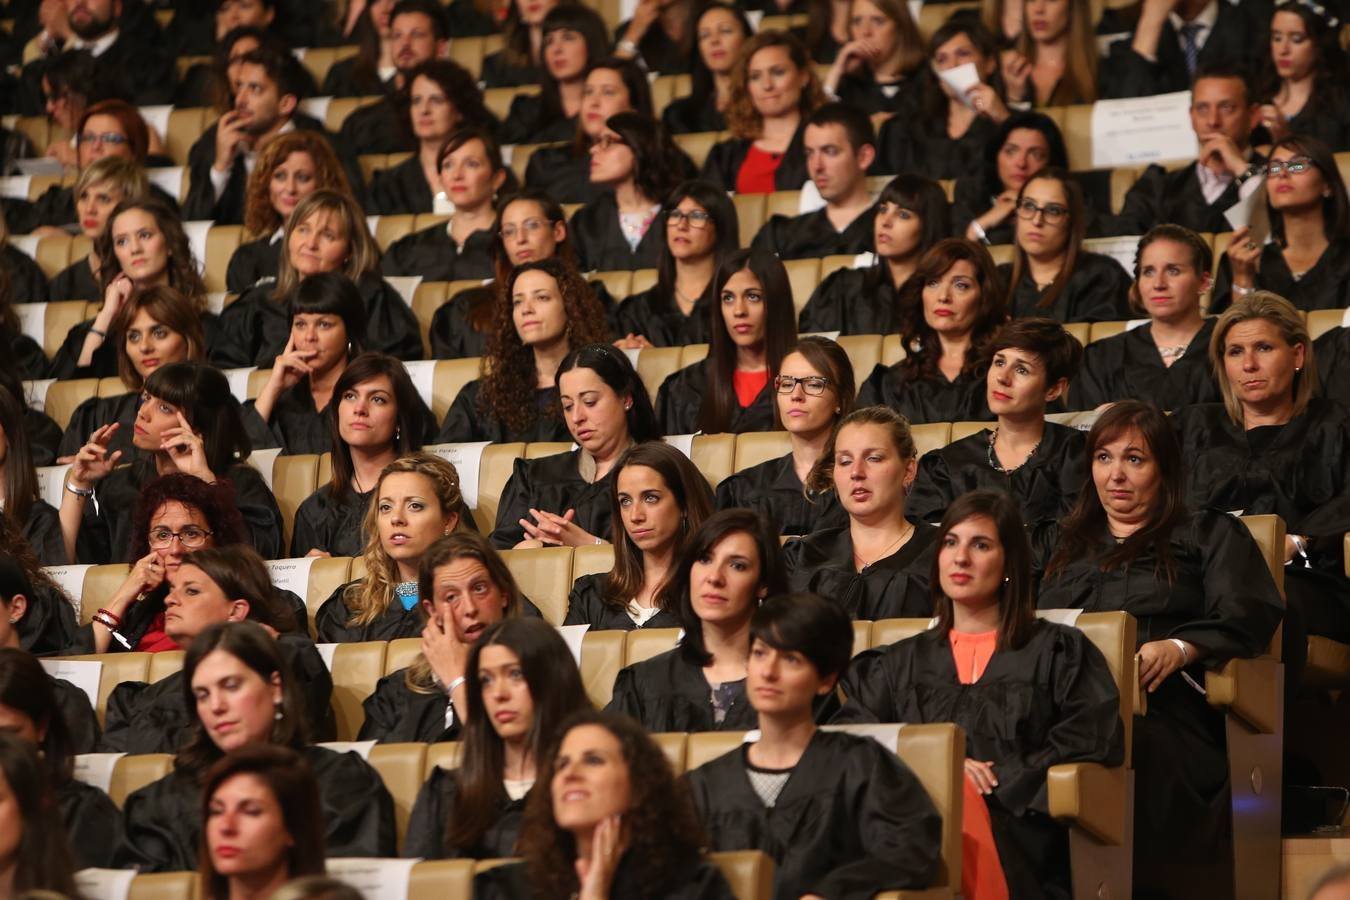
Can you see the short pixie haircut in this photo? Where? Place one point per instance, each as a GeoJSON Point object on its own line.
{"type": "Point", "coordinates": [808, 624]}
{"type": "Point", "coordinates": [1058, 351]}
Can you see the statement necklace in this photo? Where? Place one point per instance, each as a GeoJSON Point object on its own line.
{"type": "Point", "coordinates": [998, 467]}
{"type": "Point", "coordinates": [406, 591]}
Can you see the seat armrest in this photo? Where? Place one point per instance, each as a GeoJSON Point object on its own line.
{"type": "Point", "coordinates": [1250, 689]}
{"type": "Point", "coordinates": [1091, 797]}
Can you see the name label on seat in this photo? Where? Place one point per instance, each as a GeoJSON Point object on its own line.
{"type": "Point", "coordinates": [291, 574]}
{"type": "Point", "coordinates": [106, 884]}
{"type": "Point", "coordinates": [375, 879]}
{"type": "Point", "coordinates": [97, 769]}
{"type": "Point", "coordinates": [85, 674]}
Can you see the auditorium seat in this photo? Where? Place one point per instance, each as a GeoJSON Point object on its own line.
{"type": "Point", "coordinates": [672, 744]}
{"type": "Point", "coordinates": [326, 575]}
{"type": "Point", "coordinates": [494, 469]}
{"type": "Point", "coordinates": [749, 872]}
{"type": "Point", "coordinates": [643, 279]}
{"type": "Point", "coordinates": [618, 283]}
{"type": "Point", "coordinates": [603, 654]}
{"type": "Point", "coordinates": [400, 653]}
{"type": "Point", "coordinates": [755, 447]}
{"type": "Point", "coordinates": [862, 636]}
{"type": "Point", "coordinates": [443, 755]}
{"type": "Point", "coordinates": [692, 353]}
{"type": "Point", "coordinates": [1079, 330]}
{"type": "Point", "coordinates": [544, 574]}
{"type": "Point", "coordinates": [541, 449]}
{"type": "Point", "coordinates": [966, 429]}
{"type": "Point", "coordinates": [387, 229]}
{"type": "Point", "coordinates": [49, 323]}
{"type": "Point", "coordinates": [1002, 254]}
{"type": "Point", "coordinates": [337, 109]}
{"type": "Point", "coordinates": [185, 126]}
{"type": "Point", "coordinates": [864, 352]}
{"type": "Point", "coordinates": [39, 130]}
{"type": "Point", "coordinates": [1320, 321]}
{"type": "Point", "coordinates": [221, 242]}
{"type": "Point", "coordinates": [750, 215]}
{"type": "Point", "coordinates": [891, 351]}
{"type": "Point", "coordinates": [294, 478]}
{"type": "Point", "coordinates": [374, 162]}
{"type": "Point", "coordinates": [644, 643]}
{"type": "Point", "coordinates": [468, 52]}
{"type": "Point", "coordinates": [401, 767]}
{"type": "Point", "coordinates": [666, 88]}
{"type": "Point", "coordinates": [498, 100]}
{"type": "Point", "coordinates": [930, 436]}
{"type": "Point", "coordinates": [934, 16]}
{"type": "Point", "coordinates": [1099, 331]}
{"type": "Point", "coordinates": [165, 886]}
{"type": "Point", "coordinates": [441, 879]}
{"type": "Point", "coordinates": [117, 668]}
{"type": "Point", "coordinates": [135, 771]}
{"type": "Point", "coordinates": [163, 664]}
{"type": "Point", "coordinates": [356, 669]}
{"type": "Point", "coordinates": [592, 559]}
{"type": "Point", "coordinates": [520, 157]}
{"type": "Point", "coordinates": [429, 297]}
{"type": "Point", "coordinates": [655, 365]}
{"type": "Point", "coordinates": [318, 60]}
{"type": "Point", "coordinates": [451, 375]}
{"type": "Point", "coordinates": [63, 396]}
{"type": "Point", "coordinates": [782, 203]}
{"type": "Point", "coordinates": [697, 145]}
{"type": "Point", "coordinates": [100, 583]}
{"type": "Point", "coordinates": [784, 22]}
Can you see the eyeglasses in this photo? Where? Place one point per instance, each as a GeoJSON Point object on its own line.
{"type": "Point", "coordinates": [529, 226]}
{"type": "Point", "coordinates": [1295, 165]}
{"type": "Point", "coordinates": [812, 385]}
{"type": "Point", "coordinates": [696, 218]}
{"type": "Point", "coordinates": [106, 137]}
{"type": "Point", "coordinates": [605, 141]}
{"type": "Point", "coordinates": [1054, 213]}
{"type": "Point", "coordinates": [190, 537]}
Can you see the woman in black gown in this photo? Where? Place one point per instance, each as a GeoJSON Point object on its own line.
{"type": "Point", "coordinates": [719, 29]}
{"type": "Point", "coordinates": [575, 37]}
{"type": "Point", "coordinates": [46, 625]}
{"type": "Point", "coordinates": [1025, 143]}
{"type": "Point", "coordinates": [21, 504]}
{"type": "Point", "coordinates": [1197, 584]}
{"type": "Point", "coordinates": [102, 185]}
{"type": "Point", "coordinates": [880, 68]}
{"type": "Point", "coordinates": [657, 497]}
{"type": "Point", "coordinates": [1303, 72]}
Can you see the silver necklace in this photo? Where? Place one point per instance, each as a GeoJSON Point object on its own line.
{"type": "Point", "coordinates": [997, 466]}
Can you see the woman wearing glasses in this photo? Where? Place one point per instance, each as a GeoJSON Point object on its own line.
{"type": "Point", "coordinates": [813, 389]}
{"type": "Point", "coordinates": [1308, 259]}
{"type": "Point", "coordinates": [982, 208]}
{"type": "Point", "coordinates": [1051, 275]}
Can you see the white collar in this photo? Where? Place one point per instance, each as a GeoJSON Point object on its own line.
{"type": "Point", "coordinates": [1206, 19]}
{"type": "Point", "coordinates": [98, 47]}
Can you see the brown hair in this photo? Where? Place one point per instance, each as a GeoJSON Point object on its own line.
{"type": "Point", "coordinates": [1079, 81]}
{"type": "Point", "coordinates": [182, 266]}
{"type": "Point", "coordinates": [1288, 321]}
{"type": "Point", "coordinates": [821, 477]}
{"type": "Point", "coordinates": [363, 254]}
{"type": "Point", "coordinates": [743, 120]}
{"type": "Point", "coordinates": [922, 344]}
{"type": "Point", "coordinates": [241, 574]}
{"type": "Point", "coordinates": [118, 172]}
{"type": "Point", "coordinates": [911, 47]}
{"type": "Point", "coordinates": [1073, 200]}
{"type": "Point", "coordinates": [167, 307]}
{"type": "Point", "coordinates": [1202, 257]}
{"type": "Point", "coordinates": [260, 217]}
{"type": "Point", "coordinates": [133, 126]}
{"type": "Point", "coordinates": [830, 360]}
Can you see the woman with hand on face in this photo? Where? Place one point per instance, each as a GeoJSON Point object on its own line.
{"type": "Point", "coordinates": [1307, 260]}
{"type": "Point", "coordinates": [468, 589]}
{"type": "Point", "coordinates": [1039, 463]}
{"type": "Point", "coordinates": [290, 167]}
{"type": "Point", "coordinates": [547, 310]}
{"type": "Point", "coordinates": [832, 810]}
{"type": "Point", "coordinates": [610, 820]}
{"type": "Point", "coordinates": [522, 683]}
{"type": "Point", "coordinates": [875, 70]}
{"type": "Point", "coordinates": [35, 857]}
{"type": "Point", "coordinates": [443, 98]}
{"type": "Point", "coordinates": [1303, 77]}
{"type": "Point", "coordinates": [1197, 584]}
{"type": "Point", "coordinates": [876, 565]}
{"type": "Point", "coordinates": [984, 205]}
{"type": "Point", "coordinates": [774, 89]}
{"type": "Point", "coordinates": [723, 571]}
{"type": "Point", "coordinates": [660, 35]}
{"type": "Point", "coordinates": [1054, 61]}
{"type": "Point", "coordinates": [326, 232]}
{"type": "Point", "coordinates": [752, 328]}
{"type": "Point", "coordinates": [813, 390]}
{"type": "Point", "coordinates": [720, 30]}
{"type": "Point", "coordinates": [1051, 274]}
{"type": "Point", "coordinates": [102, 185]}
{"type": "Point", "coordinates": [575, 38]}
{"type": "Point", "coordinates": [911, 216]}
{"type": "Point", "coordinates": [188, 423]}
{"type": "Point", "coordinates": [658, 496]}
{"type": "Point", "coordinates": [262, 823]}
{"type": "Point", "coordinates": [960, 304]}
{"type": "Point", "coordinates": [1028, 693]}
{"type": "Point", "coordinates": [22, 508]}
{"type": "Point", "coordinates": [564, 499]}
{"type": "Point", "coordinates": [377, 418]}
{"type": "Point", "coordinates": [1164, 361]}
{"type": "Point", "coordinates": [471, 173]}
{"type": "Point", "coordinates": [240, 692]}
{"type": "Point", "coordinates": [701, 229]}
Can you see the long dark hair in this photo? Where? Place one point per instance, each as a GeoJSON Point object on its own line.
{"type": "Point", "coordinates": [772, 575]}
{"type": "Point", "coordinates": [1330, 74]}
{"type": "Point", "coordinates": [656, 159]}
{"type": "Point", "coordinates": [26, 687]}
{"type": "Point", "coordinates": [780, 333]}
{"type": "Point", "coordinates": [1335, 205]}
{"type": "Point", "coordinates": [1017, 594]}
{"type": "Point", "coordinates": [21, 481]}
{"type": "Point", "coordinates": [1073, 199]}
{"type": "Point", "coordinates": [42, 860]}
{"type": "Point", "coordinates": [202, 393]}
{"type": "Point", "coordinates": [634, 79]}
{"type": "Point", "coordinates": [414, 419]}
{"type": "Point", "coordinates": [934, 99]}
{"type": "Point", "coordinates": [616, 370]}
{"type": "Point", "coordinates": [584, 21]}
{"type": "Point", "coordinates": [1082, 531]}
{"type": "Point", "coordinates": [1034, 121]}
{"type": "Point", "coordinates": [556, 692]}
{"type": "Point", "coordinates": [926, 199]}
{"type": "Point", "coordinates": [181, 266]}
{"type": "Point", "coordinates": [722, 211]}
{"type": "Point", "coordinates": [702, 82]}
{"type": "Point", "coordinates": [923, 347]}
{"type": "Point", "coordinates": [661, 823]}
{"type": "Point", "coordinates": [241, 574]}
{"type": "Point", "coordinates": [167, 307]}
{"type": "Point", "coordinates": [830, 360]}
{"type": "Point", "coordinates": [690, 490]}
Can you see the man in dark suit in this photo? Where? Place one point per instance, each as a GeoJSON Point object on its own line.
{"type": "Point", "coordinates": [1176, 39]}
{"type": "Point", "coordinates": [93, 25]}
{"type": "Point", "coordinates": [1223, 115]}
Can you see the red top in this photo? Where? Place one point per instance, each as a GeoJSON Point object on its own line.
{"type": "Point", "coordinates": [156, 639]}
{"type": "Point", "coordinates": [972, 653]}
{"type": "Point", "coordinates": [748, 385]}
{"type": "Point", "coordinates": [757, 171]}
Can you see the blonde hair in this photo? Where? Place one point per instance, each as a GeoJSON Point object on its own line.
{"type": "Point", "coordinates": [1288, 321]}
{"type": "Point", "coordinates": [821, 477]}
{"type": "Point", "coordinates": [370, 598]}
{"type": "Point", "coordinates": [363, 254]}
{"type": "Point", "coordinates": [743, 120]}
{"type": "Point", "coordinates": [910, 43]}
{"type": "Point", "coordinates": [126, 175]}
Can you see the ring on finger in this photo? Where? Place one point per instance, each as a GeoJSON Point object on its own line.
{"type": "Point", "coordinates": [1251, 245]}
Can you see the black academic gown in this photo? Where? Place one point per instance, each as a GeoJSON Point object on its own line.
{"type": "Point", "coordinates": [599, 244]}
{"type": "Point", "coordinates": [42, 531]}
{"type": "Point", "coordinates": [895, 586]}
{"type": "Point", "coordinates": [44, 436]}
{"type": "Point", "coordinates": [1234, 41]}
{"type": "Point", "coordinates": [1045, 486]}
{"type": "Point", "coordinates": [853, 301]}
{"type": "Point", "coordinates": [700, 881]}
{"type": "Point", "coordinates": [687, 115]}
{"type": "Point", "coordinates": [81, 723]}
{"type": "Point", "coordinates": [344, 79]}
{"type": "Point", "coordinates": [454, 332]}
{"type": "Point", "coordinates": [96, 412]}
{"type": "Point", "coordinates": [331, 621]}
{"type": "Point", "coordinates": [103, 364]}
{"type": "Point", "coordinates": [555, 484]}
{"type": "Point", "coordinates": [1048, 702]}
{"type": "Point", "coordinates": [27, 284]}
{"type": "Point", "coordinates": [75, 282]}
{"type": "Point", "coordinates": [563, 173]}
{"type": "Point", "coordinates": [397, 714]}
{"type": "Point", "coordinates": [93, 824]}
{"type": "Point", "coordinates": [50, 625]}
{"type": "Point", "coordinates": [680, 401]}
{"type": "Point", "coordinates": [334, 526]}
{"type": "Point", "coordinates": [670, 693]}
{"type": "Point", "coordinates": [400, 190]}
{"type": "Point", "coordinates": [434, 255]}
{"type": "Point", "coordinates": [382, 127]}
{"type": "Point", "coordinates": [921, 146]}
{"type": "Point", "coordinates": [726, 157]}
{"type": "Point", "coordinates": [1127, 366]}
{"type": "Point", "coordinates": [528, 122]}
{"type": "Point", "coordinates": [431, 813]}
{"type": "Point", "coordinates": [465, 422]}
{"type": "Point", "coordinates": [1332, 351]}
{"type": "Point", "coordinates": [1222, 599]}
{"type": "Point", "coordinates": [851, 820]}
{"type": "Point", "coordinates": [932, 399]}
{"type": "Point", "coordinates": [105, 535]}
{"type": "Point", "coordinates": [253, 262]}
{"type": "Point", "coordinates": [1325, 286]}
{"type": "Point", "coordinates": [498, 72]}
{"type": "Point", "coordinates": [295, 425]}
{"type": "Point", "coordinates": [30, 361]}
{"type": "Point", "coordinates": [864, 92]}
{"type": "Point", "coordinates": [1174, 197]}
{"type": "Point", "coordinates": [586, 606]}
{"type": "Point", "coordinates": [155, 718]}
{"type": "Point", "coordinates": [972, 197]}
{"type": "Point", "coordinates": [773, 490]}
{"type": "Point", "coordinates": [163, 819]}
{"type": "Point", "coordinates": [1097, 291]}
{"type": "Point", "coordinates": [812, 234]}
{"type": "Point", "coordinates": [654, 314]}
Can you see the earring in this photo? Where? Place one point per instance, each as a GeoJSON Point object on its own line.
{"type": "Point", "coordinates": [278, 715]}
{"type": "Point", "coordinates": [1297, 369]}
{"type": "Point", "coordinates": [628, 407]}
{"type": "Point", "coordinates": [1006, 578]}
{"type": "Point", "coordinates": [397, 433]}
{"type": "Point", "coordinates": [13, 621]}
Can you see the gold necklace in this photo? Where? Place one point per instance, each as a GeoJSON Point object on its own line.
{"type": "Point", "coordinates": [858, 560]}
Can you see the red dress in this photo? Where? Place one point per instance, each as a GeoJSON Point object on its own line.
{"type": "Point", "coordinates": [756, 175]}
{"type": "Point", "coordinates": [981, 872]}
{"type": "Point", "coordinates": [748, 385]}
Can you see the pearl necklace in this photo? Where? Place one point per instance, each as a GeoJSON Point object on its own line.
{"type": "Point", "coordinates": [998, 467]}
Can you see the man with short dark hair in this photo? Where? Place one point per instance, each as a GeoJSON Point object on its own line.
{"type": "Point", "coordinates": [93, 25]}
{"type": "Point", "coordinates": [840, 144]}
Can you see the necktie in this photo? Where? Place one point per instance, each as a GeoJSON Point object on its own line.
{"type": "Point", "coordinates": [1191, 47]}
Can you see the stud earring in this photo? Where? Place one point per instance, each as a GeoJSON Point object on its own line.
{"type": "Point", "coordinates": [278, 715]}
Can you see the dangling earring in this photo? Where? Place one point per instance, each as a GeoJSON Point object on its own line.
{"type": "Point", "coordinates": [397, 433]}
{"type": "Point", "coordinates": [278, 715]}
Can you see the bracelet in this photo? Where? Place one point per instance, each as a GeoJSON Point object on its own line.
{"type": "Point", "coordinates": [454, 685]}
{"type": "Point", "coordinates": [626, 46]}
{"type": "Point", "coordinates": [117, 620]}
{"type": "Point", "coordinates": [103, 620]}
{"type": "Point", "coordinates": [102, 334]}
{"type": "Point", "coordinates": [1185, 654]}
{"type": "Point", "coordinates": [599, 541]}
{"type": "Point", "coordinates": [1300, 544]}
{"type": "Point", "coordinates": [86, 493]}
{"type": "Point", "coordinates": [979, 232]}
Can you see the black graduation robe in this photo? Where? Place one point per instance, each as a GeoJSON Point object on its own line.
{"type": "Point", "coordinates": [295, 425]}
{"type": "Point", "coordinates": [812, 234]}
{"type": "Point", "coordinates": [726, 157]}
{"type": "Point", "coordinates": [1332, 351]}
{"type": "Point", "coordinates": [431, 813]}
{"type": "Point", "coordinates": [105, 535]}
{"type": "Point", "coordinates": [30, 361]}
{"type": "Point", "coordinates": [864, 92]}
{"type": "Point", "coordinates": [528, 122]}
{"type": "Point", "coordinates": [1175, 197]}
{"type": "Point", "coordinates": [465, 422]}
{"type": "Point", "coordinates": [255, 328]}
{"type": "Point", "coordinates": [1234, 41]}
{"type": "Point", "coordinates": [27, 284]}
{"type": "Point", "coordinates": [1127, 366]}
{"type": "Point", "coordinates": [96, 412]}
{"type": "Point", "coordinates": [93, 824]}
{"type": "Point", "coordinates": [1325, 286]}
{"type": "Point", "coordinates": [50, 625]}
{"type": "Point", "coordinates": [919, 145]}
{"type": "Point", "coordinates": [657, 52]}
{"type": "Point", "coordinates": [655, 315]}
{"type": "Point", "coordinates": [1045, 486]}
{"type": "Point", "coordinates": [382, 127]}
{"type": "Point", "coordinates": [334, 526]}
{"type": "Point", "coordinates": [436, 256]}
{"type": "Point", "coordinates": [75, 282]}
{"type": "Point", "coordinates": [586, 606]}
{"type": "Point", "coordinates": [680, 401]}
{"type": "Point", "coordinates": [599, 244]}
{"type": "Point", "coordinates": [853, 301]}
{"type": "Point", "coordinates": [331, 627]}
{"type": "Point", "coordinates": [701, 881]}
{"type": "Point", "coordinates": [144, 62]}
{"type": "Point", "coordinates": [1097, 291]}
{"type": "Point", "coordinates": [400, 190]}
{"type": "Point", "coordinates": [564, 174]}
{"type": "Point", "coordinates": [932, 399]}
{"type": "Point", "coordinates": [851, 820]}
{"type": "Point", "coordinates": [454, 326]}
{"type": "Point", "coordinates": [42, 531]}
{"type": "Point", "coordinates": [155, 718]}
{"type": "Point", "coordinates": [686, 115]}
{"type": "Point", "coordinates": [163, 819]}
{"type": "Point", "coordinates": [345, 79]}
{"type": "Point", "coordinates": [773, 489]}
{"type": "Point", "coordinates": [44, 436]}
{"type": "Point", "coordinates": [498, 72]}
{"type": "Point", "coordinates": [1051, 701]}
{"type": "Point", "coordinates": [56, 207]}
{"type": "Point", "coordinates": [397, 714]}
{"type": "Point", "coordinates": [253, 262]}
{"type": "Point", "coordinates": [670, 693]}
{"type": "Point", "coordinates": [81, 723]}
{"type": "Point", "coordinates": [972, 197]}
{"type": "Point", "coordinates": [553, 483]}
{"type": "Point", "coordinates": [893, 587]}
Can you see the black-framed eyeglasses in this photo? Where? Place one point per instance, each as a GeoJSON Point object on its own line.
{"type": "Point", "coordinates": [696, 218]}
{"type": "Point", "coordinates": [605, 141]}
{"type": "Point", "coordinates": [108, 137]}
{"type": "Point", "coordinates": [812, 385]}
{"type": "Point", "coordinates": [1295, 165]}
{"type": "Point", "coordinates": [190, 537]}
{"type": "Point", "coordinates": [529, 226]}
{"type": "Point", "coordinates": [1054, 212]}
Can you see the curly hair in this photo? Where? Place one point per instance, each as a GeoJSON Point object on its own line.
{"type": "Point", "coordinates": [663, 829]}
{"type": "Point", "coordinates": [510, 363]}
{"type": "Point", "coordinates": [214, 501]}
{"type": "Point", "coordinates": [166, 307]}
{"type": "Point", "coordinates": [182, 265]}
{"type": "Point", "coordinates": [923, 348]}
{"type": "Point", "coordinates": [260, 216]}
{"type": "Point", "coordinates": [743, 120]}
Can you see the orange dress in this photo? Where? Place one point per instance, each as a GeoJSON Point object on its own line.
{"type": "Point", "coordinates": [981, 872]}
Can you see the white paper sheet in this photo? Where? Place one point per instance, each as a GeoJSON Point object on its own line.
{"type": "Point", "coordinates": [316, 107]}
{"type": "Point", "coordinates": [291, 574]}
{"type": "Point", "coordinates": [262, 462]}
{"type": "Point", "coordinates": [406, 285]}
{"type": "Point", "coordinates": [1345, 319]}
{"type": "Point", "coordinates": [887, 736]}
{"type": "Point", "coordinates": [376, 879]}
{"type": "Point", "coordinates": [1250, 211]}
{"type": "Point", "coordinates": [441, 205]}
{"type": "Point", "coordinates": [574, 635]}
{"type": "Point", "coordinates": [157, 117]}
{"type": "Point", "coordinates": [83, 673]}
{"type": "Point", "coordinates": [43, 165]}
{"type": "Point", "coordinates": [96, 769]}
{"type": "Point", "coordinates": [681, 442]}
{"type": "Point", "coordinates": [15, 186]}
{"type": "Point", "coordinates": [35, 392]}
{"type": "Point", "coordinates": [827, 335]}
{"type": "Point", "coordinates": [104, 884]}
{"type": "Point", "coordinates": [71, 580]}
{"type": "Point", "coordinates": [326, 651]}
{"type": "Point", "coordinates": [634, 354]}
{"type": "Point", "coordinates": [215, 301]}
{"type": "Point", "coordinates": [423, 375]}
{"type": "Point", "coordinates": [961, 79]}
{"type": "Point", "coordinates": [1060, 616]}
{"type": "Point", "coordinates": [1142, 130]}
{"type": "Point", "coordinates": [52, 482]}
{"type": "Point", "coordinates": [196, 235]}
{"type": "Point", "coordinates": [864, 260]}
{"type": "Point", "coordinates": [32, 320]}
{"type": "Point", "coordinates": [360, 748]}
{"type": "Point", "coordinates": [28, 243]}
{"type": "Point", "coordinates": [1132, 324]}
{"type": "Point", "coordinates": [754, 17]}
{"type": "Point", "coordinates": [1121, 249]}
{"type": "Point", "coordinates": [238, 379]}
{"type": "Point", "coordinates": [466, 459]}
{"type": "Point", "coordinates": [809, 199]}
{"type": "Point", "coordinates": [168, 179]}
